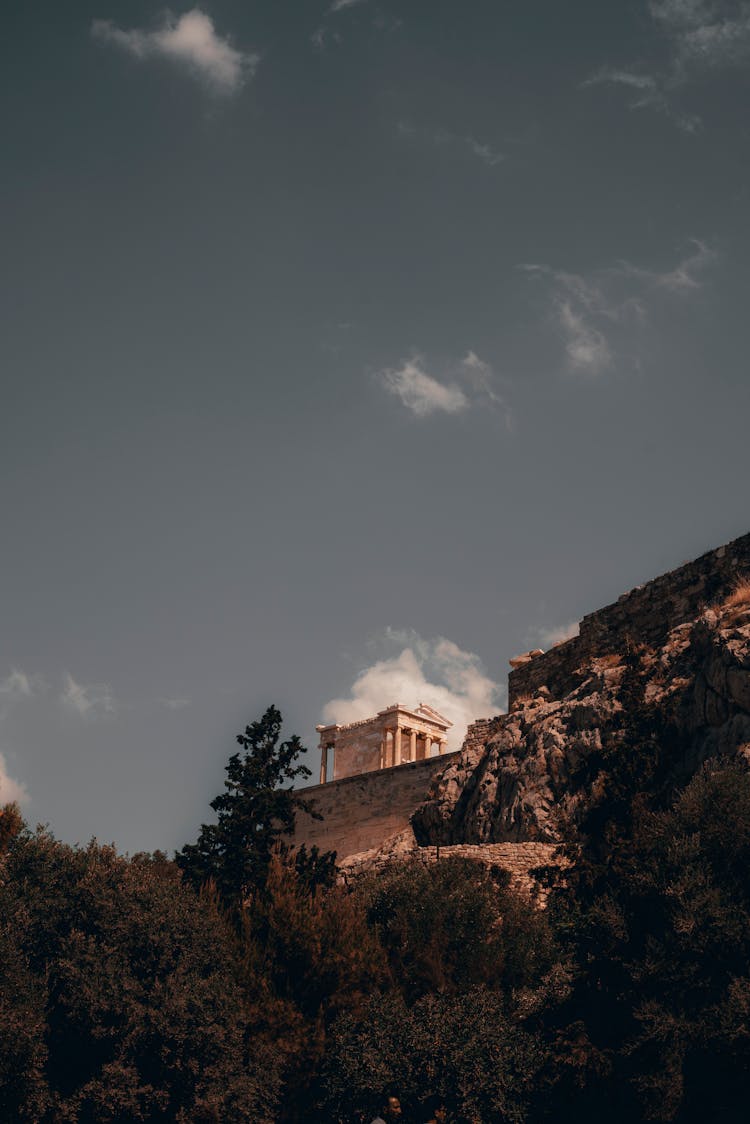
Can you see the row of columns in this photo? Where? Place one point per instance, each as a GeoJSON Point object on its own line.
{"type": "Point", "coordinates": [392, 754]}
{"type": "Point", "coordinates": [392, 751]}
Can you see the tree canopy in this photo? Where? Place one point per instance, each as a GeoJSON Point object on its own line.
{"type": "Point", "coordinates": [255, 812]}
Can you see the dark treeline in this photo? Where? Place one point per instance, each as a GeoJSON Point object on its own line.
{"type": "Point", "coordinates": [241, 982]}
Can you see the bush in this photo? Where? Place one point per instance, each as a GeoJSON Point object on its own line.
{"type": "Point", "coordinates": [455, 924]}
{"type": "Point", "coordinates": [120, 994]}
{"type": "Point", "coordinates": [465, 1048]}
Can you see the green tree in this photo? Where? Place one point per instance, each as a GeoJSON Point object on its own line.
{"type": "Point", "coordinates": [454, 924]}
{"type": "Point", "coordinates": [465, 1048]}
{"type": "Point", "coordinates": [254, 813]}
{"type": "Point", "coordinates": [121, 995]}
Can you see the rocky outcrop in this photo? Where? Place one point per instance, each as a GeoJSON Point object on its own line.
{"type": "Point", "coordinates": [522, 862]}
{"type": "Point", "coordinates": [528, 774]}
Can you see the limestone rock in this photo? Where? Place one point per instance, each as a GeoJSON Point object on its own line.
{"type": "Point", "coordinates": [522, 778]}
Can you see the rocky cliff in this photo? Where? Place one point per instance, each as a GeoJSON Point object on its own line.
{"type": "Point", "coordinates": [527, 775]}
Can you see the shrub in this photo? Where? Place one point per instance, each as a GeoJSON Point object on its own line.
{"type": "Point", "coordinates": [737, 604]}
{"type": "Point", "coordinates": [120, 994]}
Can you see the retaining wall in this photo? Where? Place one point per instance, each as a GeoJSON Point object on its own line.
{"type": "Point", "coordinates": [360, 813]}
{"type": "Point", "coordinates": [644, 615]}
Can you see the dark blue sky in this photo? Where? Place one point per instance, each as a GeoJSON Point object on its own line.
{"type": "Point", "coordinates": [346, 352]}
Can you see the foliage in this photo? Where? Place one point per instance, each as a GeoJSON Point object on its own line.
{"type": "Point", "coordinates": [455, 924]}
{"type": "Point", "coordinates": [119, 995]}
{"type": "Point", "coordinates": [11, 826]}
{"type": "Point", "coordinates": [309, 956]}
{"type": "Point", "coordinates": [253, 815]}
{"type": "Point", "coordinates": [656, 915]}
{"type": "Point", "coordinates": [465, 1048]}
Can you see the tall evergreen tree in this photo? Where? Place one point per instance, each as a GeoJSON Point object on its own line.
{"type": "Point", "coordinates": [254, 813]}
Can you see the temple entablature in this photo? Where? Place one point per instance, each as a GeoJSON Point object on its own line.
{"type": "Point", "coordinates": [393, 737]}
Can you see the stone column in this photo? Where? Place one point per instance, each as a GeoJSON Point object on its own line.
{"type": "Point", "coordinates": [323, 763]}
{"type": "Point", "coordinates": [397, 746]}
{"type": "Point", "coordinates": [442, 746]}
{"type": "Point", "coordinates": [413, 745]}
{"type": "Point", "coordinates": [384, 750]}
{"type": "Point", "coordinates": [427, 745]}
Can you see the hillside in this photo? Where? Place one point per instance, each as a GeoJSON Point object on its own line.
{"type": "Point", "coordinates": [687, 684]}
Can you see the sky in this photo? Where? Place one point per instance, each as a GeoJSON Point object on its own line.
{"type": "Point", "coordinates": [347, 351]}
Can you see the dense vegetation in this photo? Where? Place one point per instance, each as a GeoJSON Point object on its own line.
{"type": "Point", "coordinates": [242, 983]}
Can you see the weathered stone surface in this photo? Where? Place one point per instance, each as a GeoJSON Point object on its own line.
{"type": "Point", "coordinates": [523, 781]}
{"type": "Point", "coordinates": [361, 812]}
{"type": "Point", "coordinates": [517, 776]}
{"type": "Point", "coordinates": [645, 615]}
{"type": "Point", "coordinates": [519, 860]}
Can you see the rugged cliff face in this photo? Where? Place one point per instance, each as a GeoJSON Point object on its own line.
{"type": "Point", "coordinates": [529, 773]}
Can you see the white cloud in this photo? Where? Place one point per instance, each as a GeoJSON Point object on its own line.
{"type": "Point", "coordinates": [190, 41]}
{"type": "Point", "coordinates": [420, 392]}
{"type": "Point", "coordinates": [586, 347]}
{"type": "Point", "coordinates": [471, 383]}
{"type": "Point", "coordinates": [479, 379]}
{"type": "Point", "coordinates": [18, 685]}
{"type": "Point", "coordinates": [484, 151]}
{"type": "Point", "coordinates": [701, 36]}
{"type": "Point", "coordinates": [704, 34]}
{"type": "Point", "coordinates": [622, 78]}
{"type": "Point", "coordinates": [11, 790]}
{"type": "Point", "coordinates": [438, 673]}
{"type": "Point", "coordinates": [175, 704]}
{"type": "Point", "coordinates": [481, 149]}
{"type": "Point", "coordinates": [683, 277]}
{"type": "Point", "coordinates": [590, 312]}
{"type": "Point", "coordinates": [88, 700]}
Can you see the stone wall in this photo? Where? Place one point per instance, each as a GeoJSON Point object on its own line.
{"type": "Point", "coordinates": [645, 614]}
{"type": "Point", "coordinates": [360, 813]}
{"type": "Point", "coordinates": [519, 860]}
{"type": "Point", "coordinates": [478, 734]}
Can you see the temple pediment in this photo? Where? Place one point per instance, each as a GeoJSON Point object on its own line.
{"type": "Point", "coordinates": [394, 736]}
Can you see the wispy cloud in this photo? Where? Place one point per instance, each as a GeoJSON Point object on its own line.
{"type": "Point", "coordinates": [483, 150]}
{"type": "Point", "coordinates": [326, 33]}
{"type": "Point", "coordinates": [339, 5]}
{"type": "Point", "coordinates": [470, 382]}
{"type": "Point", "coordinates": [412, 670]}
{"type": "Point", "coordinates": [17, 685]}
{"type": "Point", "coordinates": [685, 277]}
{"type": "Point", "coordinates": [704, 34]}
{"type": "Point", "coordinates": [648, 92]}
{"type": "Point", "coordinates": [89, 700]}
{"type": "Point", "coordinates": [190, 41]}
{"type": "Point", "coordinates": [11, 790]}
{"type": "Point", "coordinates": [588, 311]}
{"type": "Point", "coordinates": [175, 704]}
{"type": "Point", "coordinates": [701, 36]}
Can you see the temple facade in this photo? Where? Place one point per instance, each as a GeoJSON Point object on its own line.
{"type": "Point", "coordinates": [393, 737]}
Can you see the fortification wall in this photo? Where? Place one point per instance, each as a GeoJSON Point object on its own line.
{"type": "Point", "coordinates": [478, 734]}
{"type": "Point", "coordinates": [360, 813]}
{"type": "Point", "coordinates": [645, 614]}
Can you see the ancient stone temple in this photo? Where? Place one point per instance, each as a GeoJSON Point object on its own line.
{"type": "Point", "coordinates": [393, 737]}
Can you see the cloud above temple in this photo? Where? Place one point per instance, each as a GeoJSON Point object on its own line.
{"type": "Point", "coordinates": [10, 789]}
{"type": "Point", "coordinates": [436, 672]}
